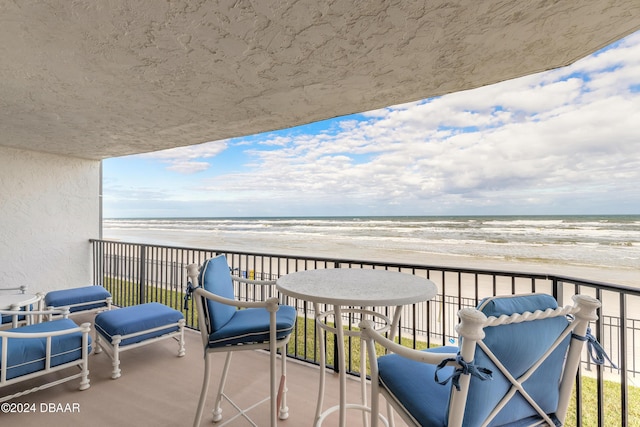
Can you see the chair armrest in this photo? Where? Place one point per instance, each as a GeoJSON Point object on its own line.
{"type": "Point", "coordinates": [85, 328]}
{"type": "Point", "coordinates": [370, 335]}
{"type": "Point", "coordinates": [271, 302]}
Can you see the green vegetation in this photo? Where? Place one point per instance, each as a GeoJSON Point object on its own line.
{"type": "Point", "coordinates": [612, 408]}
{"type": "Point", "coordinates": [301, 344]}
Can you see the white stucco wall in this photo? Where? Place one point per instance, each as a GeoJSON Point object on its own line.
{"type": "Point", "coordinates": [49, 209]}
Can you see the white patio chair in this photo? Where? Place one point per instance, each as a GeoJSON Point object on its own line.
{"type": "Point", "coordinates": [229, 325]}
{"type": "Point", "coordinates": [516, 366]}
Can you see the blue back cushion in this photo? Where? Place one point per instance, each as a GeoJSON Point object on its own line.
{"type": "Point", "coordinates": [215, 277]}
{"type": "Point", "coordinates": [518, 347]}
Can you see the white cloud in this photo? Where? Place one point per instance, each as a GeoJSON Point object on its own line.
{"type": "Point", "coordinates": [187, 167]}
{"type": "Point", "coordinates": [185, 160]}
{"type": "Point", "coordinates": [205, 150]}
{"type": "Point", "coordinates": [276, 140]}
{"type": "Point", "coordinates": [552, 136]}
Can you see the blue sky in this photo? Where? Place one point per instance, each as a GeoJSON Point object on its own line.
{"type": "Point", "coordinates": [566, 141]}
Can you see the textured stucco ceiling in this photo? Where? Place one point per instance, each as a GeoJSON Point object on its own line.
{"type": "Point", "coordinates": [97, 79]}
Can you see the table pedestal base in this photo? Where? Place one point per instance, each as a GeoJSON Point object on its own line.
{"type": "Point", "coordinates": [339, 354]}
{"type": "Point", "coordinates": [333, 409]}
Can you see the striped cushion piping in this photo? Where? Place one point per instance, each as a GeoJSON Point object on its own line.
{"type": "Point", "coordinates": [235, 337]}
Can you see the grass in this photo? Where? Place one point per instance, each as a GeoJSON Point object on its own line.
{"type": "Point", "coordinates": [612, 409]}
{"type": "Point", "coordinates": [302, 345]}
{"type": "Point", "coordinates": [127, 293]}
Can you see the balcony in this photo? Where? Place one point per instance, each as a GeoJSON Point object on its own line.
{"type": "Point", "coordinates": [157, 388]}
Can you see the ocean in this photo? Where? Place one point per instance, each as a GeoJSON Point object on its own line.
{"type": "Point", "coordinates": [609, 245]}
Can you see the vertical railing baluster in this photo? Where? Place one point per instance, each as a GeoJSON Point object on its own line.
{"type": "Point", "coordinates": [142, 280]}
{"type": "Point", "coordinates": [599, 368]}
{"type": "Point", "coordinates": [624, 387]}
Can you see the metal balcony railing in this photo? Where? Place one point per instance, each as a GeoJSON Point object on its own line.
{"type": "Point", "coordinates": [140, 273]}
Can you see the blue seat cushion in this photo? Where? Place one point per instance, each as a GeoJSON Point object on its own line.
{"type": "Point", "coordinates": [27, 355]}
{"type": "Point", "coordinates": [413, 384]}
{"type": "Point", "coordinates": [67, 297]}
{"type": "Point", "coordinates": [252, 326]}
{"type": "Point", "coordinates": [137, 318]}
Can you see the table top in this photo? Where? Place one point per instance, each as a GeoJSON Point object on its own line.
{"type": "Point", "coordinates": [358, 287]}
{"type": "Point", "coordinates": [7, 300]}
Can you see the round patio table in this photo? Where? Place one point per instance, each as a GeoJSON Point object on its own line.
{"type": "Point", "coordinates": [351, 290]}
{"type": "Point", "coordinates": [15, 301]}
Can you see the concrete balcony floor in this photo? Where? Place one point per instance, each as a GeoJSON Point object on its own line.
{"type": "Point", "coordinates": [159, 389]}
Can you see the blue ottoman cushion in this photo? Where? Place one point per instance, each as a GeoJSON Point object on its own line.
{"type": "Point", "coordinates": [67, 297]}
{"type": "Point", "coordinates": [27, 355]}
{"type": "Point", "coordinates": [137, 318]}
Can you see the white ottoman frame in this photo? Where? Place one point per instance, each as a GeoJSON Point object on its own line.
{"type": "Point", "coordinates": [113, 348]}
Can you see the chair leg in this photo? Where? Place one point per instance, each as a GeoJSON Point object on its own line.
{"type": "Point", "coordinates": [98, 347]}
{"type": "Point", "coordinates": [217, 411]}
{"type": "Point", "coordinates": [181, 350]}
{"type": "Point", "coordinates": [116, 372]}
{"type": "Point", "coordinates": [85, 383]}
{"type": "Point", "coordinates": [273, 401]}
{"type": "Point", "coordinates": [203, 392]}
{"type": "Point", "coordinates": [282, 390]}
{"type": "Point", "coordinates": [375, 405]}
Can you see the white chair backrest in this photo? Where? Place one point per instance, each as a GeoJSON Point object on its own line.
{"type": "Point", "coordinates": [526, 341]}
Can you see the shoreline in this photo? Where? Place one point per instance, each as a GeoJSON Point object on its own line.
{"type": "Point", "coordinates": [348, 250]}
